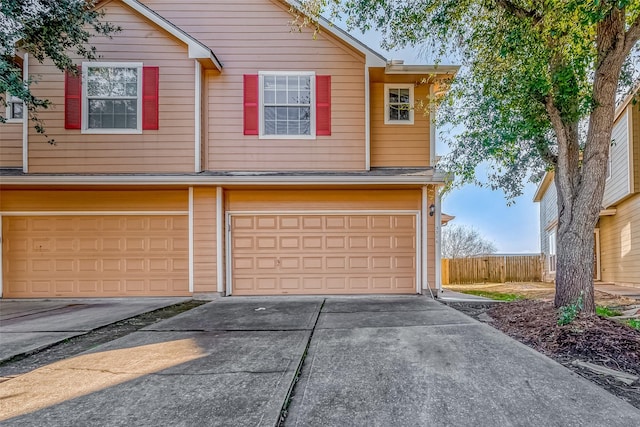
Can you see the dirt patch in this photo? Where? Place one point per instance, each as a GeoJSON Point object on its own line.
{"type": "Point", "coordinates": [76, 345]}
{"type": "Point", "coordinates": [591, 339]}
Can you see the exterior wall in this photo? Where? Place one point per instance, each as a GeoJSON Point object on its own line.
{"type": "Point", "coordinates": [169, 149]}
{"type": "Point", "coordinates": [310, 200]}
{"type": "Point", "coordinates": [635, 138]}
{"type": "Point", "coordinates": [249, 36]}
{"type": "Point", "coordinates": [618, 185]}
{"type": "Point", "coordinates": [204, 240]}
{"type": "Point", "coordinates": [548, 216]}
{"type": "Point", "coordinates": [394, 145]}
{"type": "Point", "coordinates": [93, 200]}
{"type": "Point", "coordinates": [620, 244]}
{"type": "Point", "coordinates": [11, 145]}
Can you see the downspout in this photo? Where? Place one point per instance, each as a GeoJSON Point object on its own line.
{"type": "Point", "coordinates": [25, 119]}
{"type": "Point", "coordinates": [367, 119]}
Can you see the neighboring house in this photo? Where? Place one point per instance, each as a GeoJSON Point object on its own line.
{"type": "Point", "coordinates": [212, 150]}
{"type": "Point", "coordinates": [617, 233]}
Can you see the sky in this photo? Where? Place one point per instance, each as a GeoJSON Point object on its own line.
{"type": "Point", "coordinates": [512, 228]}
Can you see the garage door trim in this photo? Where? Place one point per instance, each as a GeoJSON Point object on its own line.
{"type": "Point", "coordinates": [416, 213]}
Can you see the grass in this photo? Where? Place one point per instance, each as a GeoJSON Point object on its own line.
{"type": "Point", "coordinates": [499, 296]}
{"type": "Point", "coordinates": [606, 311]}
{"type": "Point", "coordinates": [634, 323]}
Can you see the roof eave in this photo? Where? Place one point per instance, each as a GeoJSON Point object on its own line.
{"type": "Point", "coordinates": [449, 70]}
{"type": "Point", "coordinates": [197, 50]}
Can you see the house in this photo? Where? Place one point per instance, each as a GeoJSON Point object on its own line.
{"type": "Point", "coordinates": [212, 150]}
{"type": "Point", "coordinates": [617, 233]}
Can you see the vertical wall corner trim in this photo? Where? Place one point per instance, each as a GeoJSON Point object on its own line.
{"type": "Point", "coordinates": [197, 129]}
{"type": "Point", "coordinates": [220, 267]}
{"type": "Point", "coordinates": [438, 237]}
{"type": "Point", "coordinates": [191, 239]}
{"type": "Point", "coordinates": [424, 264]}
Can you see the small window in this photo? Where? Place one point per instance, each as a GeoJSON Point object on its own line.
{"type": "Point", "coordinates": [552, 251]}
{"type": "Point", "coordinates": [398, 104]}
{"type": "Point", "coordinates": [112, 100]}
{"type": "Point", "coordinates": [287, 105]}
{"type": "Point", "coordinates": [15, 109]}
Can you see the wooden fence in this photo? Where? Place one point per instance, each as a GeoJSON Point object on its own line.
{"type": "Point", "coordinates": [493, 268]}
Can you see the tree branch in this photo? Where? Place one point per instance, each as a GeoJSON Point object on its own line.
{"type": "Point", "coordinates": [519, 11]}
{"type": "Point", "coordinates": [632, 36]}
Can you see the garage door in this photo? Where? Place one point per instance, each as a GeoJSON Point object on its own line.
{"type": "Point", "coordinates": [323, 254]}
{"type": "Point", "coordinates": [95, 256]}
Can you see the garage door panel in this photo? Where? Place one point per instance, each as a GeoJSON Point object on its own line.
{"type": "Point", "coordinates": [95, 256]}
{"type": "Point", "coordinates": [317, 254]}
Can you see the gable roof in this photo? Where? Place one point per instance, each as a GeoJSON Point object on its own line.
{"type": "Point", "coordinates": [373, 58]}
{"type": "Point", "coordinates": [197, 49]}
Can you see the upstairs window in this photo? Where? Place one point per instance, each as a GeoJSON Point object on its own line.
{"type": "Point", "coordinates": [287, 105]}
{"type": "Point", "coordinates": [398, 104]}
{"type": "Point", "coordinates": [112, 98]}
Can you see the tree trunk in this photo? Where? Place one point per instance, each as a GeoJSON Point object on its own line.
{"type": "Point", "coordinates": [580, 183]}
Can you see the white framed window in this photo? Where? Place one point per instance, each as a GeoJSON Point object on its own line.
{"type": "Point", "coordinates": [552, 251]}
{"type": "Point", "coordinates": [610, 163]}
{"type": "Point", "coordinates": [112, 97]}
{"type": "Point", "coordinates": [398, 104]}
{"type": "Point", "coordinates": [287, 104]}
{"type": "Point", "coordinates": [15, 109]}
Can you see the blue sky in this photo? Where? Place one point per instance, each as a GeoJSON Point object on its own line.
{"type": "Point", "coordinates": [514, 228]}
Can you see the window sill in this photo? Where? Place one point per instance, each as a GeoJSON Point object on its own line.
{"type": "Point", "coordinates": [305, 137]}
{"type": "Point", "coordinates": [401, 123]}
{"type": "Point", "coordinates": [112, 131]}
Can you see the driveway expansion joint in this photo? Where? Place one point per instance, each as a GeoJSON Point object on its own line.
{"type": "Point", "coordinates": [298, 372]}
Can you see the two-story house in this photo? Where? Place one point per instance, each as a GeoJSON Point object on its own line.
{"type": "Point", "coordinates": [617, 233]}
{"type": "Point", "coordinates": [211, 149]}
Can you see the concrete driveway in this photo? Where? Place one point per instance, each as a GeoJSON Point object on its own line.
{"type": "Point", "coordinates": [30, 325]}
{"type": "Point", "coordinates": [374, 361]}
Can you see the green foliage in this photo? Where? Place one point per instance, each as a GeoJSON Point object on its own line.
{"type": "Point", "coordinates": [634, 323]}
{"type": "Point", "coordinates": [607, 312]}
{"type": "Point", "coordinates": [53, 29]}
{"type": "Point", "coordinates": [568, 313]}
{"type": "Point", "coordinates": [498, 296]}
{"type": "Point", "coordinates": [520, 59]}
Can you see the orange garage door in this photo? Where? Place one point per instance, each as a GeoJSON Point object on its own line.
{"type": "Point", "coordinates": [323, 254]}
{"type": "Point", "coordinates": [95, 256]}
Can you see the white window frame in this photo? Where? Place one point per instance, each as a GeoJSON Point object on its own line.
{"type": "Point", "coordinates": [312, 131]}
{"type": "Point", "coordinates": [10, 99]}
{"type": "Point", "coordinates": [85, 101]}
{"type": "Point", "coordinates": [387, 118]}
{"type": "Point", "coordinates": [552, 251]}
{"type": "Point", "coordinates": [610, 163]}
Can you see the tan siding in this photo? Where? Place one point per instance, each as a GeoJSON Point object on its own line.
{"type": "Point", "coordinates": [310, 200]}
{"type": "Point", "coordinates": [249, 36]}
{"type": "Point", "coordinates": [617, 187]}
{"type": "Point", "coordinates": [635, 134]}
{"type": "Point", "coordinates": [92, 200]}
{"type": "Point", "coordinates": [620, 243]}
{"type": "Point", "coordinates": [399, 145]}
{"type": "Point", "coordinates": [204, 240]}
{"type": "Point", "coordinates": [11, 145]}
{"type": "Point", "coordinates": [169, 149]}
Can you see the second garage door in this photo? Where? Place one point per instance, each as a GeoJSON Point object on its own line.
{"type": "Point", "coordinates": [95, 256]}
{"type": "Point", "coordinates": [273, 254]}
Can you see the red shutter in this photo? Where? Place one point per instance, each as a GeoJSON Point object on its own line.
{"type": "Point", "coordinates": [251, 88]}
{"type": "Point", "coordinates": [323, 105]}
{"type": "Point", "coordinates": [73, 100]}
{"type": "Point", "coordinates": [150, 80]}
